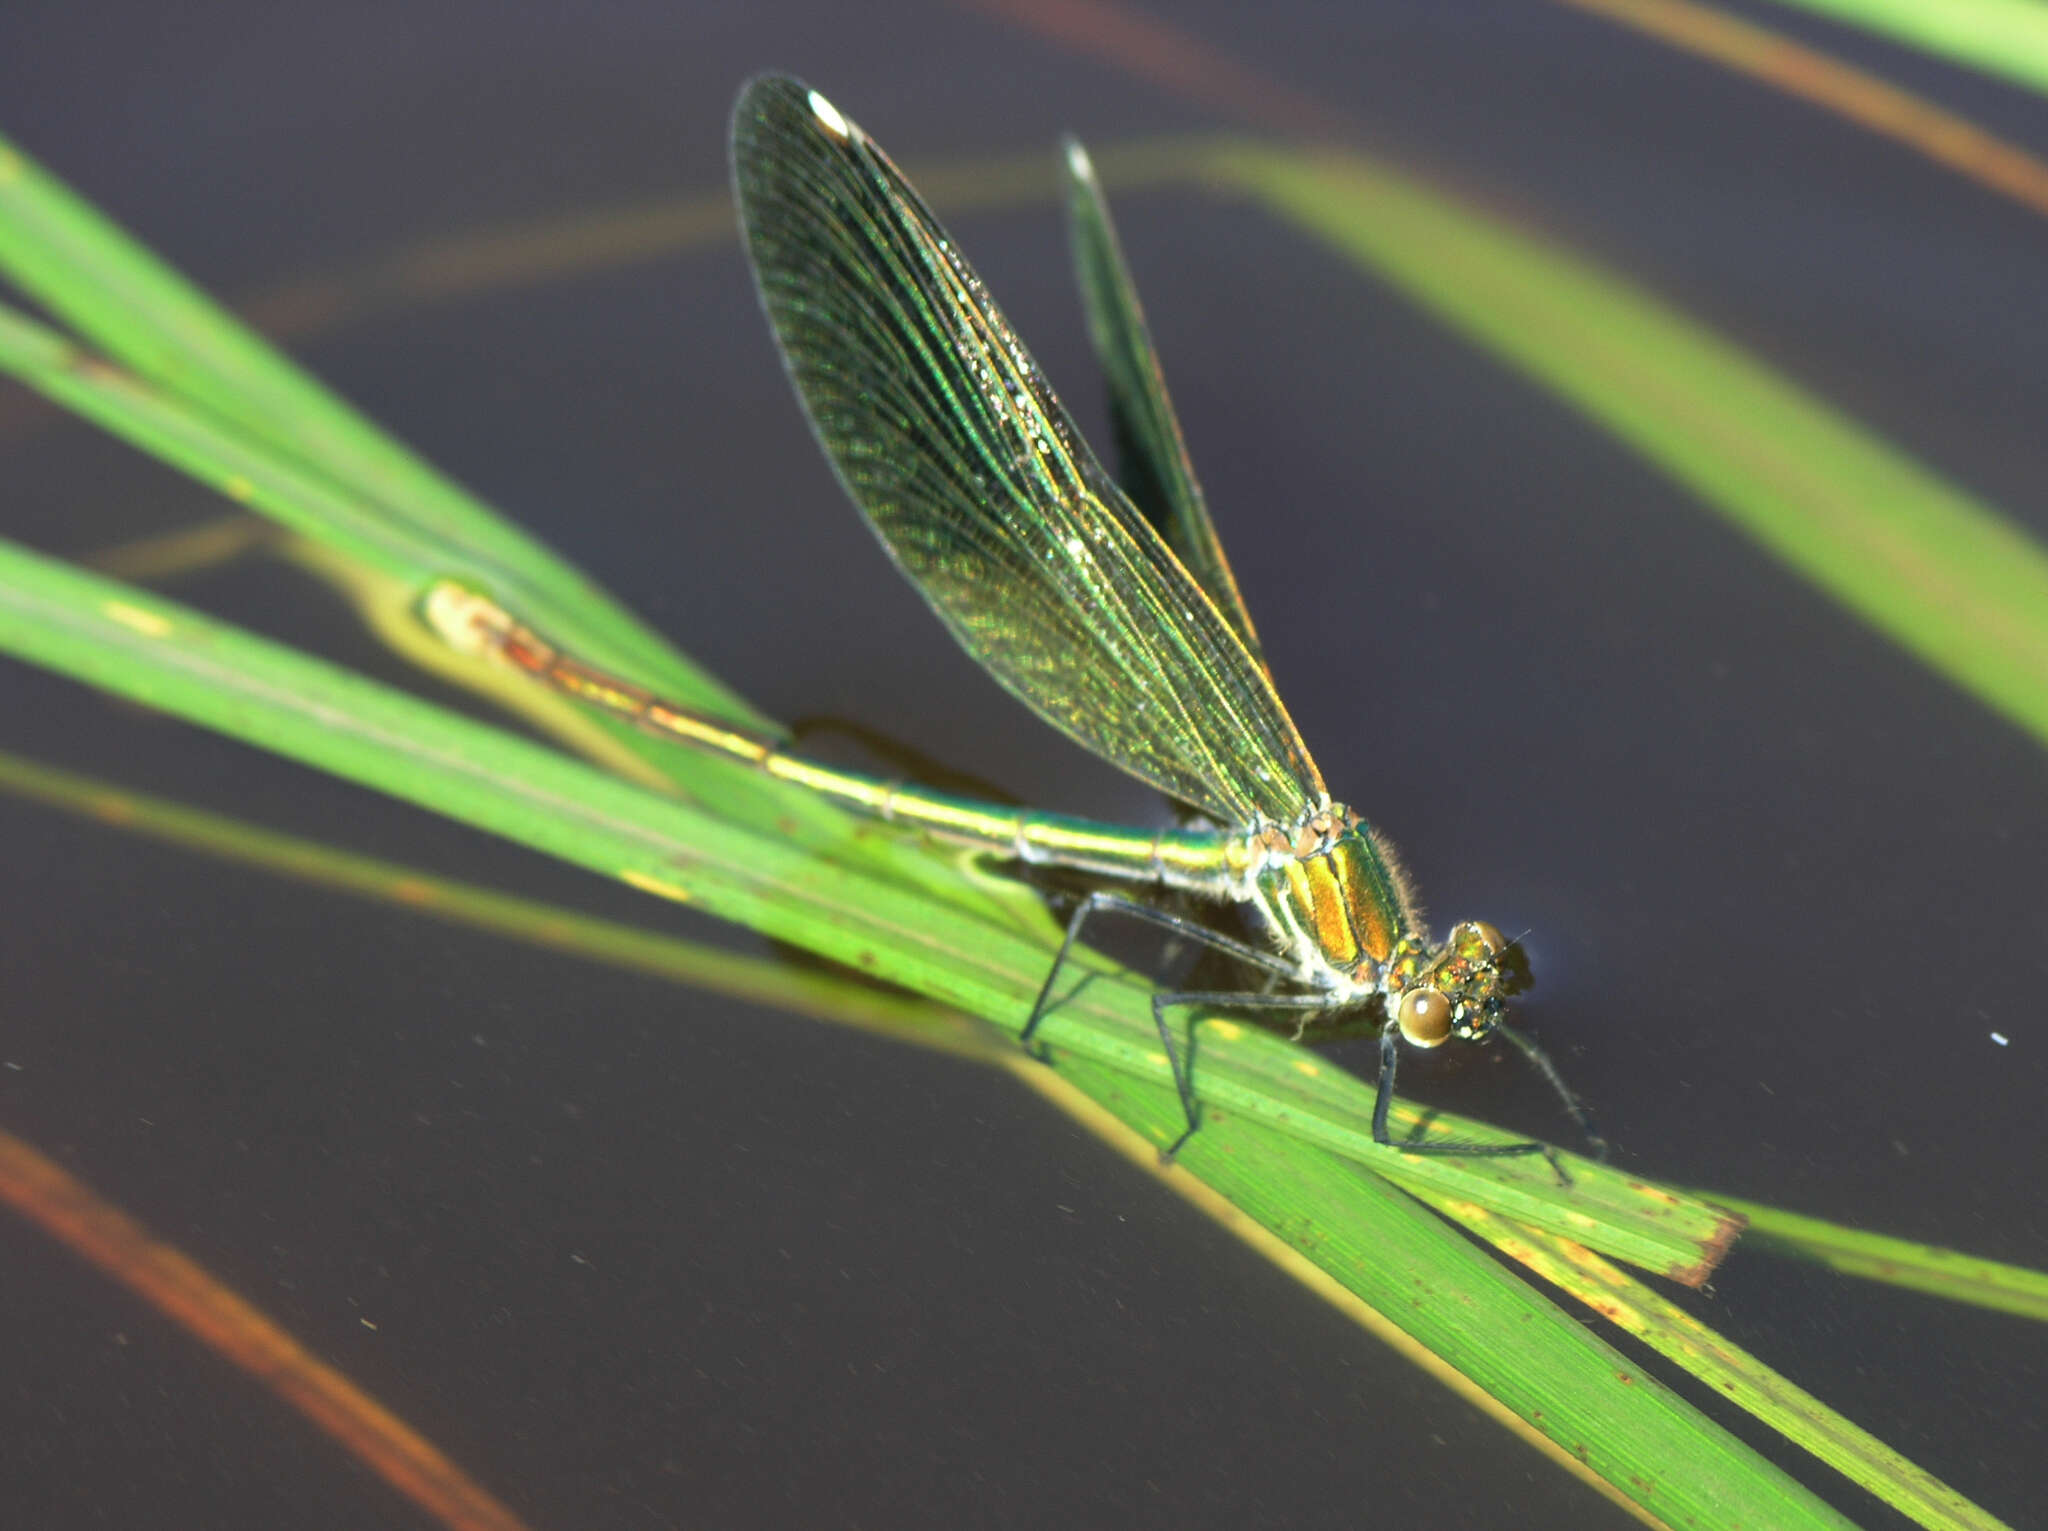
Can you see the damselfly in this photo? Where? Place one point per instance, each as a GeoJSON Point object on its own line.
{"type": "Point", "coordinates": [1123, 627]}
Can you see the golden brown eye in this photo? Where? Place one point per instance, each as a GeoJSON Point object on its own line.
{"type": "Point", "coordinates": [1477, 933]}
{"type": "Point", "coordinates": [1424, 1016]}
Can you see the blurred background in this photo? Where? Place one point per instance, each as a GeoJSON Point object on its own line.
{"type": "Point", "coordinates": [639, 1257]}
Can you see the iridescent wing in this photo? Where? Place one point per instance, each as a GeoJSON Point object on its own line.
{"type": "Point", "coordinates": [945, 434]}
{"type": "Point", "coordinates": [1152, 456]}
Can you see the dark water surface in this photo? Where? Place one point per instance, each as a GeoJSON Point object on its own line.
{"type": "Point", "coordinates": [639, 1257]}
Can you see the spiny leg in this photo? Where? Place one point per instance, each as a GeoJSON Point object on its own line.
{"type": "Point", "coordinates": [1539, 1060]}
{"type": "Point", "coordinates": [1265, 961]}
{"type": "Point", "coordinates": [1184, 1066]}
{"type": "Point", "coordinates": [1383, 1102]}
{"type": "Point", "coordinates": [1180, 925]}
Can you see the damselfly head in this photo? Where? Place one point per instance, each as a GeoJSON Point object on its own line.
{"type": "Point", "coordinates": [1457, 990]}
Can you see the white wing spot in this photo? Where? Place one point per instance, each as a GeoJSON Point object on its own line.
{"type": "Point", "coordinates": [829, 118]}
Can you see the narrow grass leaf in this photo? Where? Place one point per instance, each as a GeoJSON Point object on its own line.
{"type": "Point", "coordinates": [207, 672]}
{"type": "Point", "coordinates": [1732, 1372]}
{"type": "Point", "coordinates": [1898, 1262]}
{"type": "Point", "coordinates": [2005, 38]}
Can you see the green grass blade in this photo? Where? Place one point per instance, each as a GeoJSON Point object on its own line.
{"type": "Point", "coordinates": [143, 315]}
{"type": "Point", "coordinates": [1939, 1272]}
{"type": "Point", "coordinates": [1937, 571]}
{"type": "Point", "coordinates": [253, 472]}
{"type": "Point", "coordinates": [185, 350]}
{"type": "Point", "coordinates": [209, 673]}
{"type": "Point", "coordinates": [1898, 1262]}
{"type": "Point", "coordinates": [820, 994]}
{"type": "Point", "coordinates": [384, 559]}
{"type": "Point", "coordinates": [391, 558]}
{"type": "Point", "coordinates": [1282, 1122]}
{"type": "Point", "coordinates": [1865, 523]}
{"type": "Point", "coordinates": [109, 394]}
{"type": "Point", "coordinates": [245, 469]}
{"type": "Point", "coordinates": [1644, 1224]}
{"type": "Point", "coordinates": [178, 661]}
{"type": "Point", "coordinates": [2007, 38]}
{"type": "Point", "coordinates": [1732, 1372]}
{"type": "Point", "coordinates": [74, 261]}
{"type": "Point", "coordinates": [310, 481]}
{"type": "Point", "coordinates": [1243, 1070]}
{"type": "Point", "coordinates": [814, 894]}
{"type": "Point", "coordinates": [1513, 1344]}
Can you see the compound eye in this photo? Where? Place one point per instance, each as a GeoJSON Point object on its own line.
{"type": "Point", "coordinates": [1424, 1016]}
{"type": "Point", "coordinates": [1487, 938]}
